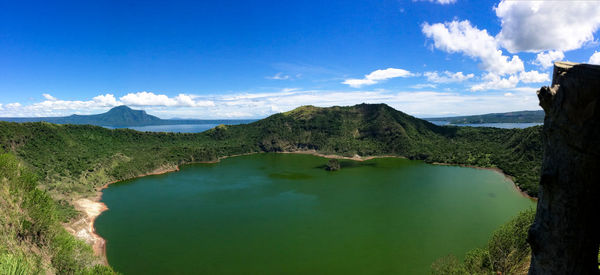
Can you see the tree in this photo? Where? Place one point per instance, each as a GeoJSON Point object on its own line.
{"type": "Point", "coordinates": [333, 165]}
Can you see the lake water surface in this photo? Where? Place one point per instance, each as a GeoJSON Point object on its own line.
{"type": "Point", "coordinates": [176, 128]}
{"type": "Point", "coordinates": [185, 128]}
{"type": "Point", "coordinates": [519, 125]}
{"type": "Point", "coordinates": [284, 214]}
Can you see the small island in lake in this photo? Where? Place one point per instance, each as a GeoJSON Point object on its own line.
{"type": "Point", "coordinates": [333, 165]}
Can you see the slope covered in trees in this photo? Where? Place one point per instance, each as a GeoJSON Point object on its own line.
{"type": "Point", "coordinates": [72, 161]}
{"type": "Point", "coordinates": [32, 239]}
{"type": "Point", "coordinates": [78, 158]}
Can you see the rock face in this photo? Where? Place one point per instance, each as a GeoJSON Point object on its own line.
{"type": "Point", "coordinates": [566, 233]}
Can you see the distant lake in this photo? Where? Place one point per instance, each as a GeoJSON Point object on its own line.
{"type": "Point", "coordinates": [179, 128]}
{"type": "Point", "coordinates": [284, 214]}
{"type": "Point", "coordinates": [494, 125]}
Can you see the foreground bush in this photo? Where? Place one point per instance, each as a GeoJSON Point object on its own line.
{"type": "Point", "coordinates": [32, 239]}
{"type": "Point", "coordinates": [507, 252]}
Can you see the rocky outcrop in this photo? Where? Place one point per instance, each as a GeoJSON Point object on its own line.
{"type": "Point", "coordinates": [566, 233]}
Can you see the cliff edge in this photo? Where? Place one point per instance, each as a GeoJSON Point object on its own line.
{"type": "Point", "coordinates": [565, 235]}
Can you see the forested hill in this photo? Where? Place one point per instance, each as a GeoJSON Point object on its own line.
{"type": "Point", "coordinates": [511, 117]}
{"type": "Point", "coordinates": [79, 158]}
{"type": "Point", "coordinates": [121, 116]}
{"type": "Point", "coordinates": [58, 163]}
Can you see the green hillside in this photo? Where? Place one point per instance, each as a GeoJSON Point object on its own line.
{"type": "Point", "coordinates": [46, 166]}
{"type": "Point", "coordinates": [78, 158]}
{"type": "Point", "coordinates": [32, 238]}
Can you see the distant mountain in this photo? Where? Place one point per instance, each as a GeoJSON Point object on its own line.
{"type": "Point", "coordinates": [121, 116]}
{"type": "Point", "coordinates": [364, 130]}
{"type": "Point", "coordinates": [511, 117]}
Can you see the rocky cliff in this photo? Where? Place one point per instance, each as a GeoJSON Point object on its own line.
{"type": "Point", "coordinates": [566, 233]}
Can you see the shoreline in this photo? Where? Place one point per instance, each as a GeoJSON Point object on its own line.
{"type": "Point", "coordinates": [92, 207]}
{"type": "Point", "coordinates": [495, 169]}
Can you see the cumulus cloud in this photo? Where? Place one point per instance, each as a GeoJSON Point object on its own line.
{"type": "Point", "coordinates": [533, 77]}
{"type": "Point", "coordinates": [107, 100]}
{"type": "Point", "coordinates": [13, 105]}
{"type": "Point", "coordinates": [462, 37]}
{"type": "Point", "coordinates": [546, 59]}
{"type": "Point", "coordinates": [535, 26]}
{"type": "Point", "coordinates": [243, 105]}
{"type": "Point", "coordinates": [48, 97]}
{"type": "Point", "coordinates": [447, 77]}
{"type": "Point", "coordinates": [147, 99]}
{"type": "Point", "coordinates": [53, 106]}
{"type": "Point", "coordinates": [192, 101]}
{"type": "Point", "coordinates": [152, 99]}
{"type": "Point", "coordinates": [595, 58]}
{"type": "Point", "coordinates": [376, 77]}
{"type": "Point", "coordinates": [443, 2]}
{"type": "Point", "coordinates": [493, 81]}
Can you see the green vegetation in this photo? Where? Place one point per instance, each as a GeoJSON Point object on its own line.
{"type": "Point", "coordinates": [76, 159]}
{"type": "Point", "coordinates": [72, 161]}
{"type": "Point", "coordinates": [511, 117]}
{"type": "Point", "coordinates": [333, 165]}
{"type": "Point", "coordinates": [32, 239]}
{"type": "Point", "coordinates": [507, 252]}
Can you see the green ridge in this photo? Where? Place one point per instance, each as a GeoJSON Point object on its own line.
{"type": "Point", "coordinates": [72, 161]}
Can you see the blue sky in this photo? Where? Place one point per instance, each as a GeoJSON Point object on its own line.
{"type": "Point", "coordinates": [249, 59]}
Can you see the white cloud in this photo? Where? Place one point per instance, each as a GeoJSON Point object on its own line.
{"type": "Point", "coordinates": [107, 100]}
{"type": "Point", "coordinates": [546, 59]}
{"type": "Point", "coordinates": [259, 105]}
{"type": "Point", "coordinates": [151, 99]}
{"type": "Point", "coordinates": [509, 94]}
{"type": "Point", "coordinates": [13, 105]}
{"type": "Point", "coordinates": [278, 76]}
{"type": "Point", "coordinates": [377, 76]}
{"type": "Point", "coordinates": [48, 97]}
{"type": "Point", "coordinates": [56, 106]}
{"type": "Point", "coordinates": [147, 99]}
{"type": "Point", "coordinates": [535, 26]}
{"type": "Point", "coordinates": [443, 2]}
{"type": "Point", "coordinates": [461, 36]}
{"type": "Point", "coordinates": [496, 82]}
{"type": "Point", "coordinates": [533, 77]}
{"type": "Point", "coordinates": [502, 72]}
{"type": "Point", "coordinates": [447, 77]}
{"type": "Point", "coordinates": [424, 85]}
{"type": "Point", "coordinates": [190, 101]}
{"type": "Point", "coordinates": [595, 58]}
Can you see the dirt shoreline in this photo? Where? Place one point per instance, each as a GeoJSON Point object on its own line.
{"type": "Point", "coordinates": [92, 207]}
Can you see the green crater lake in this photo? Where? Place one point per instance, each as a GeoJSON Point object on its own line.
{"type": "Point", "coordinates": [285, 214]}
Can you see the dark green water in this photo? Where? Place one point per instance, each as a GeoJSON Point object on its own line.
{"type": "Point", "coordinates": [284, 214]}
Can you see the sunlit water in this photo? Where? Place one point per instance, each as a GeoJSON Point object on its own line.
{"type": "Point", "coordinates": [284, 214]}
{"type": "Point", "coordinates": [493, 125]}
{"type": "Point", "coordinates": [183, 128]}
